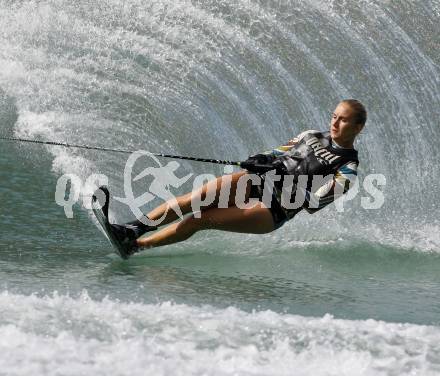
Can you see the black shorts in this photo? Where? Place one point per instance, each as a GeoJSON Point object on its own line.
{"type": "Point", "coordinates": [279, 215]}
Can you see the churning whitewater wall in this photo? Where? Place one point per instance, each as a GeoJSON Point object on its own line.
{"type": "Point", "coordinates": [230, 78]}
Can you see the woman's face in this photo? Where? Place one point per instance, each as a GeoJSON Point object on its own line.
{"type": "Point", "coordinates": [342, 125]}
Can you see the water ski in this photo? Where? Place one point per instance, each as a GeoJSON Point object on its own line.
{"type": "Point", "coordinates": [100, 203]}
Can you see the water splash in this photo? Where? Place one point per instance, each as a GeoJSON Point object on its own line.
{"type": "Point", "coordinates": [243, 75]}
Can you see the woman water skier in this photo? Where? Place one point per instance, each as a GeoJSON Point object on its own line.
{"type": "Point", "coordinates": [312, 153]}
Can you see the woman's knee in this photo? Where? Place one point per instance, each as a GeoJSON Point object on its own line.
{"type": "Point", "coordinates": [191, 223]}
{"type": "Point", "coordinates": [184, 201]}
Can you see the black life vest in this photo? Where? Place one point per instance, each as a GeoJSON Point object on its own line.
{"type": "Point", "coordinates": [314, 155]}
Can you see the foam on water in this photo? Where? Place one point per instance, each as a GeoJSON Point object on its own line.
{"type": "Point", "coordinates": [226, 79]}
{"type": "Point", "coordinates": [71, 336]}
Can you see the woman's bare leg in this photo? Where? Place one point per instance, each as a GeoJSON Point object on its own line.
{"type": "Point", "coordinates": [257, 220]}
{"type": "Point", "coordinates": [211, 188]}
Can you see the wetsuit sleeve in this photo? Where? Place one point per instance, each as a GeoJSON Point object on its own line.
{"type": "Point", "coordinates": [332, 189]}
